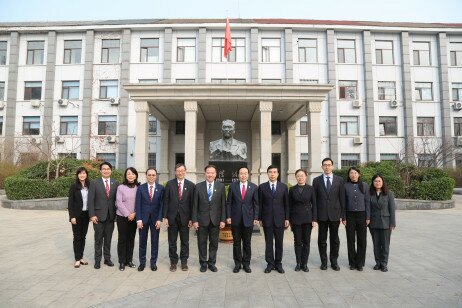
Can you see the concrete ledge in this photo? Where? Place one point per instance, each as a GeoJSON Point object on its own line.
{"type": "Point", "coordinates": [457, 191]}
{"type": "Point", "coordinates": [408, 204]}
{"type": "Point", "coordinates": [36, 204]}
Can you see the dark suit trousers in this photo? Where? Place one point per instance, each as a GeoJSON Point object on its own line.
{"type": "Point", "coordinates": [242, 234]}
{"type": "Point", "coordinates": [356, 228]}
{"type": "Point", "coordinates": [103, 237]}
{"type": "Point", "coordinates": [126, 241]}
{"type": "Point", "coordinates": [80, 232]}
{"type": "Point", "coordinates": [334, 241]}
{"type": "Point", "coordinates": [381, 241]}
{"type": "Point", "coordinates": [143, 238]}
{"type": "Point", "coordinates": [174, 228]}
{"type": "Point", "coordinates": [302, 237]}
{"type": "Point", "coordinates": [278, 235]}
{"type": "Point", "coordinates": [211, 233]}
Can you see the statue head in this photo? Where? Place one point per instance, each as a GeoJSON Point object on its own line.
{"type": "Point", "coordinates": [227, 129]}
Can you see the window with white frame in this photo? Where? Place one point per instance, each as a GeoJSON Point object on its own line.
{"type": "Point", "coordinates": [109, 157]}
{"type": "Point", "coordinates": [31, 125]}
{"type": "Point", "coordinates": [421, 53]}
{"type": "Point", "coordinates": [455, 53]}
{"type": "Point", "coordinates": [67, 155]}
{"type": "Point", "coordinates": [388, 126]}
{"type": "Point", "coordinates": [270, 50]}
{"type": "Point", "coordinates": [384, 52]}
{"type": "Point", "coordinates": [423, 91]}
{"type": "Point", "coordinates": [32, 90]}
{"type": "Point", "coordinates": [425, 126]}
{"type": "Point", "coordinates": [386, 90]}
{"type": "Point", "coordinates": [271, 80]}
{"type": "Point", "coordinates": [303, 127]}
{"type": "Point", "coordinates": [35, 52]}
{"type": "Point", "coordinates": [72, 52]}
{"type": "Point", "coordinates": [107, 125]}
{"type": "Point", "coordinates": [456, 92]}
{"type": "Point", "coordinates": [149, 50]}
{"type": "Point", "coordinates": [2, 90]}
{"type": "Point", "coordinates": [185, 80]}
{"type": "Point", "coordinates": [304, 161]}
{"type": "Point", "coordinates": [349, 125]}
{"type": "Point", "coordinates": [307, 50]}
{"type": "Point", "coordinates": [237, 54]}
{"type": "Point", "coordinates": [389, 157]}
{"type": "Point", "coordinates": [349, 159]}
{"type": "Point", "coordinates": [70, 90]}
{"type": "Point", "coordinates": [68, 125]}
{"type": "Point", "coordinates": [152, 157]}
{"type": "Point", "coordinates": [346, 51]}
{"type": "Point", "coordinates": [109, 89]}
{"type": "Point", "coordinates": [426, 160]}
{"type": "Point", "coordinates": [147, 81]}
{"type": "Point", "coordinates": [347, 89]}
{"type": "Point", "coordinates": [152, 125]}
{"type": "Point", "coordinates": [3, 52]}
{"type": "Point", "coordinates": [186, 50]}
{"type": "Point", "coordinates": [110, 51]}
{"type": "Point", "coordinates": [309, 81]}
{"type": "Point", "coordinates": [228, 80]}
{"type": "Point", "coordinates": [457, 127]}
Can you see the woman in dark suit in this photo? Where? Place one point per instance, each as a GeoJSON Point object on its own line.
{"type": "Point", "coordinates": [382, 222]}
{"type": "Point", "coordinates": [303, 213]}
{"type": "Point", "coordinates": [78, 213]}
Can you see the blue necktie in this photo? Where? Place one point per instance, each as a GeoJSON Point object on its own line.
{"type": "Point", "coordinates": [273, 190]}
{"type": "Point", "coordinates": [328, 184]}
{"type": "Point", "coordinates": [209, 192]}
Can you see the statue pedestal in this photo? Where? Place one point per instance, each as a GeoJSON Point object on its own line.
{"type": "Point", "coordinates": [228, 170]}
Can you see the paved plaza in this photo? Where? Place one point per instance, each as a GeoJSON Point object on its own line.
{"type": "Point", "coordinates": [425, 269]}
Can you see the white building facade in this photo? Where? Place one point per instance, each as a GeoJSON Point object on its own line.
{"type": "Point", "coordinates": [367, 91]}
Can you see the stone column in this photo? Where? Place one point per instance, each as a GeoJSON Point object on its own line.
{"type": "Point", "coordinates": [291, 153]}
{"type": "Point", "coordinates": [255, 165]}
{"type": "Point", "coordinates": [190, 112]}
{"type": "Point", "coordinates": [314, 136]}
{"type": "Point", "coordinates": [265, 138]}
{"type": "Point", "coordinates": [407, 98]}
{"type": "Point", "coordinates": [164, 173]}
{"type": "Point", "coordinates": [141, 139]}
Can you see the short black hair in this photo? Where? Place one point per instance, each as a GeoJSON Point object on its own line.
{"type": "Point", "coordinates": [243, 167]}
{"type": "Point", "coordinates": [179, 165]}
{"type": "Point", "coordinates": [151, 168]}
{"type": "Point", "coordinates": [384, 189]}
{"type": "Point", "coordinates": [105, 163]}
{"type": "Point", "coordinates": [126, 183]}
{"type": "Point", "coordinates": [272, 167]}
{"type": "Point", "coordinates": [301, 170]}
{"type": "Point", "coordinates": [326, 159]}
{"type": "Point", "coordinates": [77, 180]}
{"type": "Point", "coordinates": [211, 166]}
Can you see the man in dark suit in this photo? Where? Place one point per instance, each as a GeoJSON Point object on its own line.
{"type": "Point", "coordinates": [209, 215]}
{"type": "Point", "coordinates": [102, 212]}
{"type": "Point", "coordinates": [178, 202]}
{"type": "Point", "coordinates": [274, 217]}
{"type": "Point", "coordinates": [242, 214]}
{"type": "Point", "coordinates": [148, 209]}
{"type": "Point", "coordinates": [330, 202]}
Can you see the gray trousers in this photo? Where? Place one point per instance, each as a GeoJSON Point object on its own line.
{"type": "Point", "coordinates": [381, 241]}
{"type": "Point", "coordinates": [103, 237]}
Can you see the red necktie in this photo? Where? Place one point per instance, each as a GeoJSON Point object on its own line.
{"type": "Point", "coordinates": [150, 193]}
{"type": "Point", "coordinates": [243, 191]}
{"type": "Point", "coordinates": [107, 189]}
{"type": "Point", "coordinates": [180, 191]}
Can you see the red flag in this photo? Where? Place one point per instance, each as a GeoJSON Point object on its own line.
{"type": "Point", "coordinates": [227, 47]}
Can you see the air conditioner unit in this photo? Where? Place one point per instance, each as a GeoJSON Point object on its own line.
{"type": "Point", "coordinates": [358, 140]}
{"type": "Point", "coordinates": [2, 105]}
{"type": "Point", "coordinates": [459, 141]}
{"type": "Point", "coordinates": [35, 103]}
{"type": "Point", "coordinates": [356, 103]}
{"type": "Point", "coordinates": [111, 139]}
{"type": "Point", "coordinates": [63, 102]}
{"type": "Point", "coordinates": [457, 106]}
{"type": "Point", "coordinates": [59, 139]}
{"type": "Point", "coordinates": [36, 141]}
{"type": "Point", "coordinates": [115, 101]}
{"type": "Point", "coordinates": [393, 104]}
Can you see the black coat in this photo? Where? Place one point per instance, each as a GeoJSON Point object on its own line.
{"type": "Point", "coordinates": [383, 211]}
{"type": "Point", "coordinates": [75, 201]}
{"type": "Point", "coordinates": [238, 209]}
{"type": "Point", "coordinates": [302, 205]}
{"type": "Point", "coordinates": [274, 210]}
{"type": "Point", "coordinates": [204, 211]}
{"type": "Point", "coordinates": [330, 206]}
{"type": "Point", "coordinates": [172, 203]}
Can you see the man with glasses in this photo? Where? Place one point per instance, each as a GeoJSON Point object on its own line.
{"type": "Point", "coordinates": [148, 209]}
{"type": "Point", "coordinates": [330, 201]}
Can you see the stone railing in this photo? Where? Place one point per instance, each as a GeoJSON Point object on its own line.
{"type": "Point", "coordinates": [36, 204]}
{"type": "Point", "coordinates": [408, 204]}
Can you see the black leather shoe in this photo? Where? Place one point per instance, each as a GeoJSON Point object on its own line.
{"type": "Point", "coordinates": [108, 263]}
{"type": "Point", "coordinates": [184, 267]}
{"type": "Point", "coordinates": [352, 268]}
{"type": "Point", "coordinates": [154, 268]}
{"type": "Point", "coordinates": [130, 264]}
{"type": "Point", "coordinates": [305, 268]}
{"type": "Point", "coordinates": [97, 265]}
{"type": "Point", "coordinates": [360, 268]}
{"type": "Point", "coordinates": [376, 267]}
{"type": "Point", "coordinates": [268, 269]}
{"type": "Point", "coordinates": [203, 268]}
{"type": "Point", "coordinates": [213, 268]}
{"type": "Point", "coordinates": [335, 267]}
{"type": "Point", "coordinates": [236, 269]}
{"type": "Point", "coordinates": [121, 267]}
{"type": "Point", "coordinates": [323, 267]}
{"type": "Point", "coordinates": [297, 268]}
{"type": "Point", "coordinates": [173, 267]}
{"type": "Point", "coordinates": [280, 269]}
{"type": "Point", "coordinates": [247, 269]}
{"type": "Point", "coordinates": [384, 268]}
{"type": "Point", "coordinates": [141, 268]}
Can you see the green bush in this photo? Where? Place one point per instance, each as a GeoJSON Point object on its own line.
{"type": "Point", "coordinates": [8, 169]}
{"type": "Point", "coordinates": [433, 189]}
{"type": "Point", "coordinates": [21, 188]}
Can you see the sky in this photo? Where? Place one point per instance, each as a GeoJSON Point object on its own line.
{"type": "Point", "coordinates": [449, 11]}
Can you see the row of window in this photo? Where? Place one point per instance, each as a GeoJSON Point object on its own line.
{"type": "Point", "coordinates": [270, 51]}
